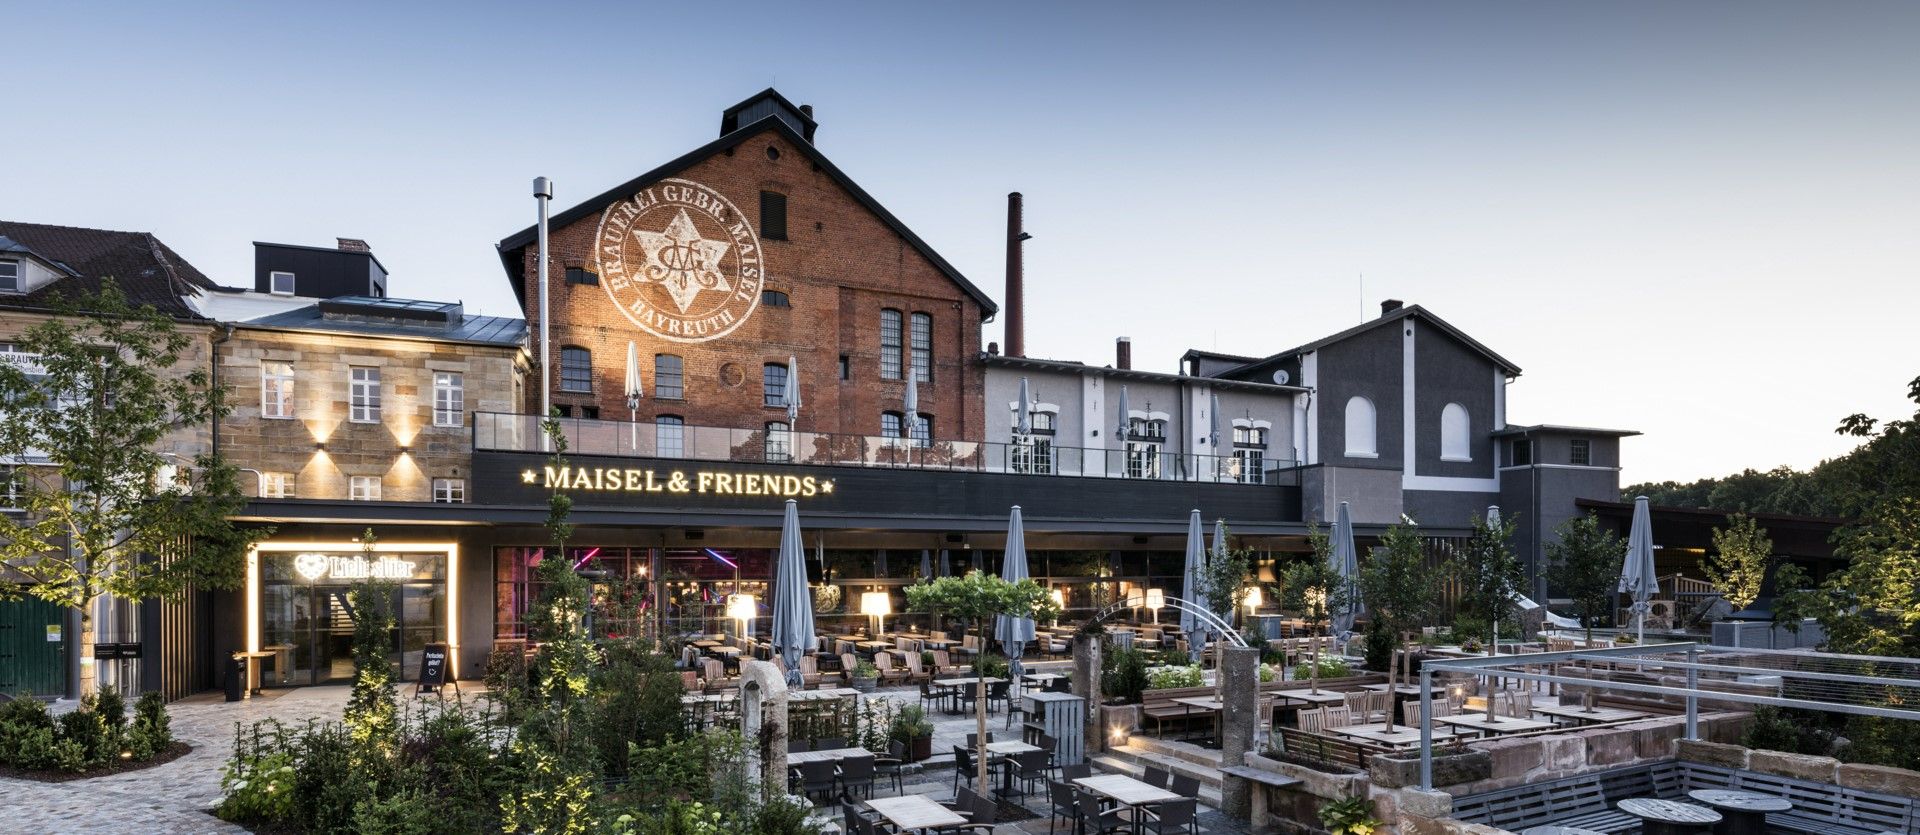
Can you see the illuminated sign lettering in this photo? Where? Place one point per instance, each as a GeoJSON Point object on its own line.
{"type": "Point", "coordinates": [318, 566]}
{"type": "Point", "coordinates": [635, 480]}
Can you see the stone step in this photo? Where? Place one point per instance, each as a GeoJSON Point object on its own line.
{"type": "Point", "coordinates": [1208, 775]}
{"type": "Point", "coordinates": [1196, 754]}
{"type": "Point", "coordinates": [1116, 761]}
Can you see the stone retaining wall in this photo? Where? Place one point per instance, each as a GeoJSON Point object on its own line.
{"type": "Point", "coordinates": [1872, 778]}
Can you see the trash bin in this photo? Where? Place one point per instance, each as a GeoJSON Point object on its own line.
{"type": "Point", "coordinates": [236, 678]}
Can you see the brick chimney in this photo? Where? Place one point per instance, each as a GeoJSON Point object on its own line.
{"type": "Point", "coordinates": [1016, 279]}
{"type": "Point", "coordinates": [1389, 306]}
{"type": "Point", "coordinates": [353, 245]}
{"type": "Point", "coordinates": [1123, 353]}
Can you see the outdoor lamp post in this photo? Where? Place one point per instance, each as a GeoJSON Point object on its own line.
{"type": "Point", "coordinates": [879, 605]}
{"type": "Point", "coordinates": [1156, 600]}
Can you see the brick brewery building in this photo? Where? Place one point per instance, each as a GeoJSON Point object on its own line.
{"type": "Point", "coordinates": [716, 285]}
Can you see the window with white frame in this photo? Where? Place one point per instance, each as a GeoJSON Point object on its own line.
{"type": "Point", "coordinates": [669, 436]}
{"type": "Point", "coordinates": [276, 390]}
{"type": "Point", "coordinates": [450, 490]}
{"type": "Point", "coordinates": [890, 344]}
{"type": "Point", "coordinates": [363, 396]}
{"type": "Point", "coordinates": [10, 280]}
{"type": "Point", "coordinates": [276, 485]}
{"type": "Point", "coordinates": [891, 425]}
{"type": "Point", "coordinates": [364, 488]}
{"type": "Point", "coordinates": [779, 442]}
{"type": "Point", "coordinates": [1250, 454]}
{"type": "Point", "coordinates": [1144, 438]}
{"type": "Point", "coordinates": [1361, 441]}
{"type": "Point", "coordinates": [923, 430]}
{"type": "Point", "coordinates": [280, 283]}
{"type": "Point", "coordinates": [920, 331]}
{"type": "Point", "coordinates": [449, 399]}
{"type": "Point", "coordinates": [10, 487]}
{"type": "Point", "coordinates": [1456, 434]}
{"type": "Point", "coordinates": [1033, 453]}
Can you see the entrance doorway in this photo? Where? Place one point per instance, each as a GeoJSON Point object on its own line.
{"type": "Point", "coordinates": [306, 612]}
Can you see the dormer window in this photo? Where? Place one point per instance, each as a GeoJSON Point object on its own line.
{"type": "Point", "coordinates": [9, 276]}
{"type": "Point", "coordinates": [280, 283]}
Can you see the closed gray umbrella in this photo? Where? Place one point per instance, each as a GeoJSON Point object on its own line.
{"type": "Point", "coordinates": [1120, 432]}
{"type": "Point", "coordinates": [791, 397]}
{"type": "Point", "coordinates": [792, 602]}
{"type": "Point", "coordinates": [1014, 633]}
{"type": "Point", "coordinates": [1023, 422]}
{"type": "Point", "coordinates": [1195, 629]}
{"type": "Point", "coordinates": [1493, 521]}
{"type": "Point", "coordinates": [1347, 563]}
{"type": "Point", "coordinates": [1637, 577]}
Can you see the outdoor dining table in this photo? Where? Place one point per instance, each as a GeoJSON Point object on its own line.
{"type": "Point", "coordinates": [1583, 715]}
{"type": "Point", "coordinates": [1205, 704]}
{"type": "Point", "coordinates": [1041, 678]}
{"type": "Point", "coordinates": [829, 755]}
{"type": "Point", "coordinates": [704, 644]}
{"type": "Point", "coordinates": [1668, 817]}
{"type": "Point", "coordinates": [727, 651]}
{"type": "Point", "coordinates": [937, 643]}
{"type": "Point", "coordinates": [1008, 748]}
{"type": "Point", "coordinates": [915, 812]}
{"type": "Point", "coordinates": [1376, 732]}
{"type": "Point", "coordinates": [822, 694]}
{"type": "Point", "coordinates": [1125, 790]}
{"type": "Point", "coordinates": [1324, 697]}
{"type": "Point", "coordinates": [1551, 829]}
{"type": "Point", "coordinates": [1398, 689]}
{"type": "Point", "coordinates": [1745, 812]}
{"type": "Point", "coordinates": [1499, 725]}
{"type": "Point", "coordinates": [874, 645]}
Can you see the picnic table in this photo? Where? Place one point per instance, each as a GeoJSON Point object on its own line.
{"type": "Point", "coordinates": [1668, 817]}
{"type": "Point", "coordinates": [1745, 812]}
{"type": "Point", "coordinates": [915, 812]}
{"type": "Point", "coordinates": [1583, 715]}
{"type": "Point", "coordinates": [1498, 725]}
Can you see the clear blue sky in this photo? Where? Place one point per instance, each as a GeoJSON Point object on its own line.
{"type": "Point", "coordinates": [1695, 219]}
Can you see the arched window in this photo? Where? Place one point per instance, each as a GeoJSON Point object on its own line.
{"type": "Point", "coordinates": [890, 424]}
{"type": "Point", "coordinates": [773, 380]}
{"type": "Point", "coordinates": [1456, 434]}
{"type": "Point", "coordinates": [576, 369]}
{"type": "Point", "coordinates": [1361, 442]}
{"type": "Point", "coordinates": [922, 430]}
{"type": "Point", "coordinates": [890, 344]}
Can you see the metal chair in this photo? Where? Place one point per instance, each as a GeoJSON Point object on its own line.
{"type": "Point", "coordinates": [895, 766]}
{"type": "Point", "coordinates": [1060, 797]}
{"type": "Point", "coordinates": [1029, 767]}
{"type": "Point", "coordinates": [1172, 816]}
{"type": "Point", "coordinates": [1158, 778]}
{"type": "Point", "coordinates": [817, 777]}
{"type": "Point", "coordinates": [1186, 785]}
{"type": "Point", "coordinates": [1095, 820]}
{"type": "Point", "coordinates": [856, 777]}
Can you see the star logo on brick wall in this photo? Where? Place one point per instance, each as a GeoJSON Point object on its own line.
{"type": "Point", "coordinates": [682, 261]}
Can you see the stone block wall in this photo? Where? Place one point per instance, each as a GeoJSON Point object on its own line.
{"type": "Point", "coordinates": [1872, 778]}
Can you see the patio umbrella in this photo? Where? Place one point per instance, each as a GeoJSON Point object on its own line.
{"type": "Point", "coordinates": [912, 404]}
{"type": "Point", "coordinates": [1213, 430]}
{"type": "Point", "coordinates": [1493, 521]}
{"type": "Point", "coordinates": [791, 397]}
{"type": "Point", "coordinates": [1120, 433]}
{"type": "Point", "coordinates": [1637, 577]}
{"type": "Point", "coordinates": [1014, 633]}
{"type": "Point", "coordinates": [1023, 423]}
{"type": "Point", "coordinates": [792, 604]}
{"type": "Point", "coordinates": [1195, 629]}
{"type": "Point", "coordinates": [1347, 564]}
{"type": "Point", "coordinates": [634, 393]}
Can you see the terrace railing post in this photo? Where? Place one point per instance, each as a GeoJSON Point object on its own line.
{"type": "Point", "coordinates": [1693, 686]}
{"type": "Point", "coordinates": [1426, 729]}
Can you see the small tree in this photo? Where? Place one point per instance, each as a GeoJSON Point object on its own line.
{"type": "Point", "coordinates": [1399, 588]}
{"type": "Point", "coordinates": [87, 420]}
{"type": "Point", "coordinates": [1223, 580]}
{"type": "Point", "coordinates": [372, 710]}
{"type": "Point", "coordinates": [975, 600]}
{"type": "Point", "coordinates": [1584, 566]}
{"type": "Point", "coordinates": [1738, 564]}
{"type": "Point", "coordinates": [1314, 589]}
{"type": "Point", "coordinates": [1490, 577]}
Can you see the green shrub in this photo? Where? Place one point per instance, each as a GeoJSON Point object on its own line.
{"type": "Point", "coordinates": [150, 717]}
{"type": "Point", "coordinates": [1268, 673]}
{"type": "Point", "coordinates": [71, 755]}
{"type": "Point", "coordinates": [1330, 667]}
{"type": "Point", "coordinates": [111, 708]}
{"type": "Point", "coordinates": [1170, 677]}
{"type": "Point", "coordinates": [1795, 732]}
{"type": "Point", "coordinates": [257, 789]}
{"type": "Point", "coordinates": [325, 787]}
{"type": "Point", "coordinates": [88, 734]}
{"type": "Point", "coordinates": [911, 722]}
{"type": "Point", "coordinates": [1380, 645]}
{"type": "Point", "coordinates": [26, 734]}
{"type": "Point", "coordinates": [994, 665]}
{"type": "Point", "coordinates": [780, 816]}
{"type": "Point", "coordinates": [1123, 674]}
{"type": "Point", "coordinates": [408, 813]}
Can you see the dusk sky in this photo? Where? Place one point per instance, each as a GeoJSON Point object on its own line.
{"type": "Point", "coordinates": [1699, 220]}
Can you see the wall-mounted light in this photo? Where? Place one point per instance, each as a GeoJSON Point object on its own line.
{"type": "Point", "coordinates": [320, 446]}
{"type": "Point", "coordinates": [404, 449]}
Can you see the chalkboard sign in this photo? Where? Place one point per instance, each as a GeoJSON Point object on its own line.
{"type": "Point", "coordinates": [433, 668]}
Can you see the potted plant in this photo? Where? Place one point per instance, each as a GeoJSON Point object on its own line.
{"type": "Point", "coordinates": [912, 727]}
{"type": "Point", "coordinates": [1351, 815]}
{"type": "Point", "coordinates": [865, 676]}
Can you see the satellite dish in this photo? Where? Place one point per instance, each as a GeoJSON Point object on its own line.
{"type": "Point", "coordinates": [1281, 377]}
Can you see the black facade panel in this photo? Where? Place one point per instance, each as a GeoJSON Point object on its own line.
{"type": "Point", "coordinates": [318, 273]}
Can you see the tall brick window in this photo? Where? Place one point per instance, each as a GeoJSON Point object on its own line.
{"type": "Point", "coordinates": [670, 436]}
{"type": "Point", "coordinates": [890, 344]}
{"type": "Point", "coordinates": [773, 382]}
{"type": "Point", "coordinates": [923, 430]}
{"type": "Point", "coordinates": [276, 390]}
{"type": "Point", "coordinates": [576, 369]}
{"type": "Point", "coordinates": [449, 399]}
{"type": "Point", "coordinates": [363, 395]}
{"type": "Point", "coordinates": [890, 424]}
{"type": "Point", "coordinates": [779, 442]}
{"type": "Point", "coordinates": [773, 215]}
{"type": "Point", "coordinates": [921, 330]}
{"type": "Point", "coordinates": [669, 377]}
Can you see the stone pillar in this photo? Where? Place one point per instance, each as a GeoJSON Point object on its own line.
{"type": "Point", "coordinates": [763, 722]}
{"type": "Point", "coordinates": [1086, 685]}
{"type": "Point", "coordinates": [1239, 716]}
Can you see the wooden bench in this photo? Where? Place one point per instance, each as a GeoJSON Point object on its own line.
{"type": "Point", "coordinates": [1329, 750]}
{"type": "Point", "coordinates": [1159, 706]}
{"type": "Point", "coordinates": [1818, 808]}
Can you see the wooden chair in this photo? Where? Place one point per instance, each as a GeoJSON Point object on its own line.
{"type": "Point", "coordinates": [943, 663]}
{"type": "Point", "coordinates": [1314, 720]}
{"type": "Point", "coordinates": [848, 661]}
{"type": "Point", "coordinates": [915, 670]}
{"type": "Point", "coordinates": [1337, 717]}
{"type": "Point", "coordinates": [889, 674]}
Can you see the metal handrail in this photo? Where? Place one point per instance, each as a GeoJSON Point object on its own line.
{"type": "Point", "coordinates": [508, 432]}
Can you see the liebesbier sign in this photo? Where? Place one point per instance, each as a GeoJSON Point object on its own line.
{"type": "Point", "coordinates": [645, 480]}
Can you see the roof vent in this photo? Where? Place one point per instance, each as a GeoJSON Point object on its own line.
{"type": "Point", "coordinates": [1390, 305]}
{"type": "Point", "coordinates": [769, 103]}
{"type": "Point", "coordinates": [353, 245]}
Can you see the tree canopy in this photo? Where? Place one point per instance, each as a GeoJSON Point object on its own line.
{"type": "Point", "coordinates": [1584, 566]}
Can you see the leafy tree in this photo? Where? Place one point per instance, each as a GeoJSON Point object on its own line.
{"type": "Point", "coordinates": [1489, 573]}
{"type": "Point", "coordinates": [975, 600]}
{"type": "Point", "coordinates": [1738, 564]}
{"type": "Point", "coordinates": [1314, 589]}
{"type": "Point", "coordinates": [372, 710]}
{"type": "Point", "coordinates": [1223, 580]}
{"type": "Point", "coordinates": [1399, 588]}
{"type": "Point", "coordinates": [1585, 567]}
{"type": "Point", "coordinates": [89, 424]}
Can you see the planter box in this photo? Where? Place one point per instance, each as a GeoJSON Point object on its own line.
{"type": "Point", "coordinates": [919, 748]}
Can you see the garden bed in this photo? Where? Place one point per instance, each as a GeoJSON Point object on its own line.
{"type": "Point", "coordinates": [173, 752]}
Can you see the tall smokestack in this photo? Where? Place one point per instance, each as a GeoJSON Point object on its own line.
{"type": "Point", "coordinates": [1123, 353]}
{"type": "Point", "coordinates": [1016, 280]}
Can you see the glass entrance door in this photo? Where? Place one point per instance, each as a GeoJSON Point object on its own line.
{"type": "Point", "coordinates": [307, 624]}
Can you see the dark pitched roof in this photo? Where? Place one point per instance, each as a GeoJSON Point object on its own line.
{"type": "Point", "coordinates": [1397, 315]}
{"type": "Point", "coordinates": [512, 246]}
{"type": "Point", "coordinates": [1071, 367]}
{"type": "Point", "coordinates": [498, 331]}
{"type": "Point", "coordinates": [148, 271]}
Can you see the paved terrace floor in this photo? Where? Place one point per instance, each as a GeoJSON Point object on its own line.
{"type": "Point", "coordinates": [176, 797]}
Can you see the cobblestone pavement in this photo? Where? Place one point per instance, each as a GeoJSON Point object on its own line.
{"type": "Point", "coordinates": [167, 799]}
